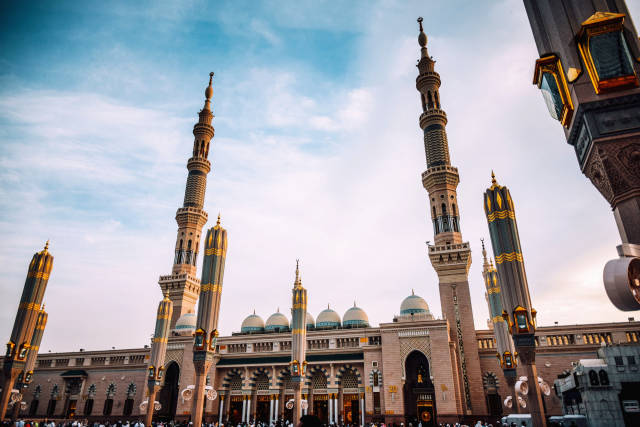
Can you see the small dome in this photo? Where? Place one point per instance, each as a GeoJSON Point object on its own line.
{"type": "Point", "coordinates": [355, 317]}
{"type": "Point", "coordinates": [253, 323]}
{"type": "Point", "coordinates": [328, 319]}
{"type": "Point", "coordinates": [414, 304]}
{"type": "Point", "coordinates": [310, 322]}
{"type": "Point", "coordinates": [277, 322]}
{"type": "Point", "coordinates": [186, 325]}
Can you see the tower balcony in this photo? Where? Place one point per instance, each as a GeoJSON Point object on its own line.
{"type": "Point", "coordinates": [203, 129]}
{"type": "Point", "coordinates": [199, 163]}
{"type": "Point", "coordinates": [453, 258]}
{"type": "Point", "coordinates": [433, 116]}
{"type": "Point", "coordinates": [191, 215]}
{"type": "Point", "coordinates": [440, 176]}
{"type": "Point", "coordinates": [427, 79]}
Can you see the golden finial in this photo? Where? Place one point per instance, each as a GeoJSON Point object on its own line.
{"type": "Point", "coordinates": [297, 283]}
{"type": "Point", "coordinates": [354, 303]}
{"type": "Point", "coordinates": [218, 223]}
{"type": "Point", "coordinates": [484, 251]}
{"type": "Point", "coordinates": [42, 309]}
{"type": "Point", "coordinates": [493, 178]}
{"type": "Point", "coordinates": [422, 37]}
{"type": "Point", "coordinates": [46, 246]}
{"type": "Point", "coordinates": [166, 294]}
{"type": "Point", "coordinates": [413, 291]}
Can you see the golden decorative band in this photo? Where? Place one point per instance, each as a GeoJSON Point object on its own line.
{"type": "Point", "coordinates": [214, 251]}
{"type": "Point", "coordinates": [498, 319]}
{"type": "Point", "coordinates": [38, 275]}
{"type": "Point", "coordinates": [163, 316]}
{"type": "Point", "coordinates": [213, 287]}
{"type": "Point", "coordinates": [297, 331]}
{"type": "Point", "coordinates": [494, 290]}
{"type": "Point", "coordinates": [300, 305]}
{"type": "Point", "coordinates": [512, 256]}
{"type": "Point", "coordinates": [160, 339]}
{"type": "Point", "coordinates": [29, 306]}
{"type": "Point", "coordinates": [501, 215]}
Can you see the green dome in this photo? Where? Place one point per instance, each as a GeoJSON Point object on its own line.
{"type": "Point", "coordinates": [277, 322]}
{"type": "Point", "coordinates": [355, 317]}
{"type": "Point", "coordinates": [186, 325]}
{"type": "Point", "coordinates": [310, 322]}
{"type": "Point", "coordinates": [328, 319]}
{"type": "Point", "coordinates": [413, 304]}
{"type": "Point", "coordinates": [253, 323]}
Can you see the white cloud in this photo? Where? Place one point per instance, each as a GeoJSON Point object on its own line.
{"type": "Point", "coordinates": [301, 168]}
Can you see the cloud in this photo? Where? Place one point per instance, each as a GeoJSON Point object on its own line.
{"type": "Point", "coordinates": [305, 164]}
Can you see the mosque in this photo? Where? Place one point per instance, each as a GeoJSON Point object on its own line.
{"type": "Point", "coordinates": [414, 366]}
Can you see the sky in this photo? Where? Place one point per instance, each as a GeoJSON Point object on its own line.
{"type": "Point", "coordinates": [317, 155]}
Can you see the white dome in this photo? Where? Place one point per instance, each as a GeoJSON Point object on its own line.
{"type": "Point", "coordinates": [355, 316]}
{"type": "Point", "coordinates": [328, 319]}
{"type": "Point", "coordinates": [310, 323]}
{"type": "Point", "coordinates": [413, 304]}
{"type": "Point", "coordinates": [277, 321]}
{"type": "Point", "coordinates": [186, 325]}
{"type": "Point", "coordinates": [253, 323]}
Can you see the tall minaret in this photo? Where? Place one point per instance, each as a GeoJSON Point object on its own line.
{"type": "Point", "coordinates": [182, 284]}
{"type": "Point", "coordinates": [206, 335]}
{"type": "Point", "coordinates": [158, 352]}
{"type": "Point", "coordinates": [516, 300]}
{"type": "Point", "coordinates": [298, 362]}
{"type": "Point", "coordinates": [449, 255]}
{"type": "Point", "coordinates": [504, 343]}
{"type": "Point", "coordinates": [19, 345]}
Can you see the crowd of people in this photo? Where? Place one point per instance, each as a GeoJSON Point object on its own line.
{"type": "Point", "coordinates": [305, 421]}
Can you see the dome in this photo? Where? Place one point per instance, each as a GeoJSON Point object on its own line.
{"type": "Point", "coordinates": [355, 317]}
{"type": "Point", "coordinates": [186, 325]}
{"type": "Point", "coordinates": [253, 323]}
{"type": "Point", "coordinates": [328, 319]}
{"type": "Point", "coordinates": [414, 304]}
{"type": "Point", "coordinates": [310, 322]}
{"type": "Point", "coordinates": [277, 322]}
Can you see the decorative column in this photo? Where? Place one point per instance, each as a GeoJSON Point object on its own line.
{"type": "Point", "coordinates": [249, 409]}
{"type": "Point", "coordinates": [244, 408]}
{"type": "Point", "coordinates": [450, 256]}
{"type": "Point", "coordinates": [221, 409]}
{"type": "Point", "coordinates": [158, 352]}
{"type": "Point", "coordinates": [516, 300]}
{"type": "Point", "coordinates": [206, 335]}
{"type": "Point", "coordinates": [330, 411]}
{"type": "Point", "coordinates": [298, 364]}
{"type": "Point", "coordinates": [362, 409]}
{"type": "Point", "coordinates": [588, 74]}
{"type": "Point", "coordinates": [504, 343]}
{"type": "Point", "coordinates": [19, 345]}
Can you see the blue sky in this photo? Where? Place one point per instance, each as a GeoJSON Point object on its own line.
{"type": "Point", "coordinates": [317, 155]}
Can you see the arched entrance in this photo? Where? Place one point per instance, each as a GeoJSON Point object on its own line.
{"type": "Point", "coordinates": [418, 391]}
{"type": "Point", "coordinates": [263, 399]}
{"type": "Point", "coordinates": [168, 395]}
{"type": "Point", "coordinates": [494, 401]}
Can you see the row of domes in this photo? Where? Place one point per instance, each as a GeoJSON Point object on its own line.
{"type": "Point", "coordinates": [354, 317]}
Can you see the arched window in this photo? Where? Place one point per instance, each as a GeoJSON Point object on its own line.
{"type": "Point", "coordinates": [262, 381]}
{"type": "Point", "coordinates": [189, 253]}
{"type": "Point", "coordinates": [437, 99]}
{"type": "Point", "coordinates": [236, 382]}
{"type": "Point", "coordinates": [453, 209]}
{"type": "Point", "coordinates": [434, 211]}
{"type": "Point", "coordinates": [430, 100]}
{"type": "Point", "coordinates": [424, 104]}
{"type": "Point", "coordinates": [319, 380]}
{"type": "Point", "coordinates": [593, 378]}
{"type": "Point", "coordinates": [444, 209]}
{"type": "Point", "coordinates": [604, 377]}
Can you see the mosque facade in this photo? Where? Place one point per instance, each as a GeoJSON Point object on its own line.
{"type": "Point", "coordinates": [413, 367]}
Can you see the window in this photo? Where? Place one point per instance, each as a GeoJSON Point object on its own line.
{"type": "Point", "coordinates": [618, 360]}
{"type": "Point", "coordinates": [88, 407]}
{"type": "Point", "coordinates": [108, 407]}
{"type": "Point", "coordinates": [604, 377]}
{"type": "Point", "coordinates": [605, 53]}
{"type": "Point", "coordinates": [34, 407]}
{"type": "Point", "coordinates": [128, 407]}
{"type": "Point", "coordinates": [51, 408]}
{"type": "Point", "coordinates": [593, 378]}
{"type": "Point", "coordinates": [549, 77]}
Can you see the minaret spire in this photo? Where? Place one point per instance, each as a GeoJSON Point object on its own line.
{"type": "Point", "coordinates": [182, 284]}
{"type": "Point", "coordinates": [298, 364]}
{"type": "Point", "coordinates": [449, 255]}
